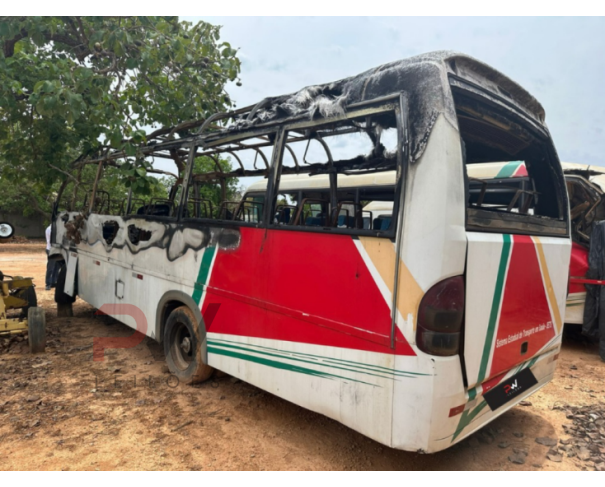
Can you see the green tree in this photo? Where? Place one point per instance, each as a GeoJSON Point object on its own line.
{"type": "Point", "coordinates": [72, 87]}
{"type": "Point", "coordinates": [213, 190]}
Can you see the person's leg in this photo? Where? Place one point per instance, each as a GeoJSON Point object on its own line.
{"type": "Point", "coordinates": [49, 270]}
{"type": "Point", "coordinates": [55, 273]}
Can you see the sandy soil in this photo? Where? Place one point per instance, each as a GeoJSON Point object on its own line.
{"type": "Point", "coordinates": [63, 411]}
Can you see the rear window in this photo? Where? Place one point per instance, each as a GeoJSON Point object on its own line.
{"type": "Point", "coordinates": [514, 179]}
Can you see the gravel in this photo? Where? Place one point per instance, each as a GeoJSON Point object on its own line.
{"type": "Point", "coordinates": [587, 435]}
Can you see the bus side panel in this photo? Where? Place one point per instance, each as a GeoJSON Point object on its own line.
{"type": "Point", "coordinates": [319, 335]}
{"type": "Point", "coordinates": [315, 288]}
{"type": "Point", "coordinates": [120, 272]}
{"type": "Point", "coordinates": [350, 386]}
{"type": "Point", "coordinates": [102, 283]}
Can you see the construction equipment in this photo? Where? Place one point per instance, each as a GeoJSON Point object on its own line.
{"type": "Point", "coordinates": [19, 311]}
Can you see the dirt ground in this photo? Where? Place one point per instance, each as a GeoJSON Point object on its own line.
{"type": "Point", "coordinates": [63, 411]}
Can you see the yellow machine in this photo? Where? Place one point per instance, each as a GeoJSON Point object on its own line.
{"type": "Point", "coordinates": [19, 311]}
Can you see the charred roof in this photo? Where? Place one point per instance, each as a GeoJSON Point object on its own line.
{"type": "Point", "coordinates": [425, 79]}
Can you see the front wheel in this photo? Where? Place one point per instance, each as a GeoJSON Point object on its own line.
{"type": "Point", "coordinates": [182, 347]}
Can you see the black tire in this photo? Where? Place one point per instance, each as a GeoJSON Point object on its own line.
{"type": "Point", "coordinates": [29, 295]}
{"type": "Point", "coordinates": [182, 347]}
{"type": "Point", "coordinates": [6, 230]}
{"type": "Point", "coordinates": [36, 329]}
{"type": "Point", "coordinates": [60, 296]}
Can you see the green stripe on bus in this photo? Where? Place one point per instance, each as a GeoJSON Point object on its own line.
{"type": "Point", "coordinates": [468, 416]}
{"type": "Point", "coordinates": [338, 361]}
{"type": "Point", "coordinates": [281, 365]}
{"type": "Point", "coordinates": [508, 170]}
{"type": "Point", "coordinates": [382, 375]}
{"type": "Point", "coordinates": [202, 276]}
{"type": "Point", "coordinates": [493, 317]}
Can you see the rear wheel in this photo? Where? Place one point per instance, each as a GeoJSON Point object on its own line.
{"type": "Point", "coordinates": [36, 329]}
{"type": "Point", "coordinates": [183, 348]}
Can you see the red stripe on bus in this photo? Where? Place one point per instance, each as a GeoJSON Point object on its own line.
{"type": "Point", "coordinates": [525, 314]}
{"type": "Point", "coordinates": [312, 288]}
{"type": "Point", "coordinates": [521, 171]}
{"type": "Point", "coordinates": [581, 280]}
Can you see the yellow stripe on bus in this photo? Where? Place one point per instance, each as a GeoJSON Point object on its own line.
{"type": "Point", "coordinates": [549, 289]}
{"type": "Point", "coordinates": [382, 253]}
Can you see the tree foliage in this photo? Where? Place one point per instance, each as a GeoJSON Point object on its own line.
{"type": "Point", "coordinates": [76, 86]}
{"type": "Point", "coordinates": [212, 190]}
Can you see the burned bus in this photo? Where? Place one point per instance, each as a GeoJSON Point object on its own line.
{"type": "Point", "coordinates": [415, 330]}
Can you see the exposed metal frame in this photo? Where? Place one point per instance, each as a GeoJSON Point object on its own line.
{"type": "Point", "coordinates": [398, 207]}
{"type": "Point", "coordinates": [210, 145]}
{"type": "Point", "coordinates": [391, 103]}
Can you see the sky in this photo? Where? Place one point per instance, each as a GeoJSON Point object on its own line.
{"type": "Point", "coordinates": [561, 61]}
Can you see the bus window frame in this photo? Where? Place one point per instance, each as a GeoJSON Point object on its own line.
{"type": "Point", "coordinates": [188, 179]}
{"type": "Point", "coordinates": [397, 104]}
{"type": "Point", "coordinates": [485, 221]}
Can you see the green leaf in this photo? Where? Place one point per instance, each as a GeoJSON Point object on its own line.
{"type": "Point", "coordinates": [115, 139]}
{"type": "Point", "coordinates": [118, 49]}
{"type": "Point", "coordinates": [130, 150]}
{"type": "Point", "coordinates": [38, 86]}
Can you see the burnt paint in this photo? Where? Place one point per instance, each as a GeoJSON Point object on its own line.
{"type": "Point", "coordinates": [176, 238]}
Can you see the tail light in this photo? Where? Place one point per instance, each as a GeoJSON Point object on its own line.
{"type": "Point", "coordinates": [440, 318]}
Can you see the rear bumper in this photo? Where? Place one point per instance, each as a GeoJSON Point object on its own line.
{"type": "Point", "coordinates": [477, 412]}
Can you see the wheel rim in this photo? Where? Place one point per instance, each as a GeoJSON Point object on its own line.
{"type": "Point", "coordinates": [181, 347]}
{"type": "Point", "coordinates": [5, 230]}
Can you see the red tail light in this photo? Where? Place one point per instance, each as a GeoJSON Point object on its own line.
{"type": "Point", "coordinates": [440, 318]}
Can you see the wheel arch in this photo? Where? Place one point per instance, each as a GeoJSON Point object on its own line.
{"type": "Point", "coordinates": [169, 302]}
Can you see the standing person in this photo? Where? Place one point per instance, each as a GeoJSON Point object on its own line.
{"type": "Point", "coordinates": [52, 269]}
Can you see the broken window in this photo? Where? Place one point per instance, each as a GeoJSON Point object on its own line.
{"type": "Point", "coordinates": [511, 169]}
{"type": "Point", "coordinates": [75, 193]}
{"type": "Point", "coordinates": [136, 234]}
{"type": "Point", "coordinates": [331, 172]}
{"type": "Point", "coordinates": [586, 207]}
{"type": "Point", "coordinates": [107, 190]}
{"type": "Point", "coordinates": [222, 177]}
{"type": "Point", "coordinates": [110, 231]}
